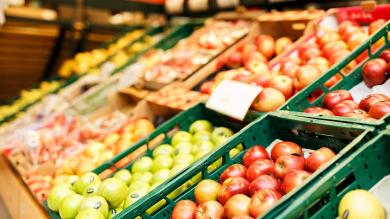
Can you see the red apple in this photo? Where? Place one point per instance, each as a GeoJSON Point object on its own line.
{"type": "Point", "coordinates": [232, 186]}
{"type": "Point", "coordinates": [260, 167]}
{"type": "Point", "coordinates": [262, 201]}
{"type": "Point", "coordinates": [370, 100]}
{"type": "Point", "coordinates": [206, 87]}
{"type": "Point", "coordinates": [284, 84]}
{"type": "Point", "coordinates": [234, 60]}
{"type": "Point", "coordinates": [335, 97]}
{"type": "Point", "coordinates": [319, 110]}
{"type": "Point", "coordinates": [356, 40]}
{"type": "Point", "coordinates": [310, 54]}
{"type": "Point", "coordinates": [328, 36]}
{"type": "Point", "coordinates": [210, 209]}
{"type": "Point", "coordinates": [288, 162]}
{"type": "Point", "coordinates": [357, 113]}
{"type": "Point", "coordinates": [344, 107]}
{"type": "Point", "coordinates": [319, 158]}
{"type": "Point", "coordinates": [248, 50]}
{"type": "Point", "coordinates": [236, 206]}
{"type": "Point", "coordinates": [337, 56]}
{"type": "Point", "coordinates": [344, 24]}
{"type": "Point", "coordinates": [282, 44]}
{"type": "Point", "coordinates": [242, 217]}
{"type": "Point", "coordinates": [266, 45]}
{"type": "Point", "coordinates": [184, 209]}
{"type": "Point", "coordinates": [270, 99]}
{"type": "Point", "coordinates": [307, 74]}
{"type": "Point", "coordinates": [285, 147]}
{"type": "Point", "coordinates": [332, 81]}
{"type": "Point", "coordinates": [264, 182]}
{"type": "Point", "coordinates": [374, 72]}
{"type": "Point", "coordinates": [254, 153]}
{"type": "Point", "coordinates": [294, 179]}
{"type": "Point", "coordinates": [257, 67]}
{"type": "Point", "coordinates": [379, 109]}
{"type": "Point", "coordinates": [233, 170]}
{"type": "Point", "coordinates": [385, 55]}
{"type": "Point", "coordinates": [350, 31]}
{"type": "Point", "coordinates": [376, 25]}
{"type": "Point", "coordinates": [289, 68]}
{"type": "Point", "coordinates": [244, 78]}
{"type": "Point", "coordinates": [206, 190]}
{"type": "Point", "coordinates": [262, 80]}
{"type": "Point", "coordinates": [333, 46]}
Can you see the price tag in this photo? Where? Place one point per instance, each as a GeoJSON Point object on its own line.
{"type": "Point", "coordinates": [233, 98]}
{"type": "Point", "coordinates": [106, 69]}
{"type": "Point", "coordinates": [130, 75]}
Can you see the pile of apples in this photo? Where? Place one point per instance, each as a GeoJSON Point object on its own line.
{"type": "Point", "coordinates": [249, 189]}
{"type": "Point", "coordinates": [127, 186]}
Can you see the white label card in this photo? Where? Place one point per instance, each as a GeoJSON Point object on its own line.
{"type": "Point", "coordinates": [233, 98]}
{"type": "Point", "coordinates": [130, 75]}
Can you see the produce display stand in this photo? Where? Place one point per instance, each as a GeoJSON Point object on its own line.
{"type": "Point", "coordinates": [361, 170]}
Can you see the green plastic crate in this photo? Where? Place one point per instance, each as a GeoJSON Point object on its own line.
{"type": "Point", "coordinates": [362, 170]}
{"type": "Point", "coordinates": [309, 133]}
{"type": "Point", "coordinates": [300, 101]}
{"type": "Point", "coordinates": [183, 120]}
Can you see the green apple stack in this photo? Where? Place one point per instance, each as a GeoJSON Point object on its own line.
{"type": "Point", "coordinates": [89, 197]}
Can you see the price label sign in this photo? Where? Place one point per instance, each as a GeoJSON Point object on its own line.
{"type": "Point", "coordinates": [233, 98]}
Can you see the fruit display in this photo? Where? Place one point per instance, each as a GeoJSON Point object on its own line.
{"type": "Point", "coordinates": [195, 51]}
{"type": "Point", "coordinates": [72, 146]}
{"type": "Point", "coordinates": [253, 187]}
{"type": "Point", "coordinates": [360, 204]}
{"type": "Point", "coordinates": [128, 185]}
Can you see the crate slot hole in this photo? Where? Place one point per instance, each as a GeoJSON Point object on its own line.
{"type": "Point", "coordinates": [345, 183]}
{"type": "Point", "coordinates": [315, 95]}
{"type": "Point", "coordinates": [365, 166]}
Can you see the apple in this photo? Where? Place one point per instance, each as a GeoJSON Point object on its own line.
{"type": "Point", "coordinates": [70, 206]}
{"type": "Point", "coordinates": [294, 179]}
{"type": "Point", "coordinates": [370, 100]}
{"type": "Point", "coordinates": [254, 153]}
{"type": "Point", "coordinates": [232, 186]}
{"type": "Point", "coordinates": [57, 195]}
{"type": "Point", "coordinates": [282, 44]}
{"type": "Point", "coordinates": [357, 113]}
{"type": "Point", "coordinates": [206, 87]}
{"type": "Point", "coordinates": [144, 164]}
{"type": "Point", "coordinates": [257, 67]}
{"type": "Point", "coordinates": [266, 45]}
{"type": "Point", "coordinates": [380, 109]}
{"type": "Point", "coordinates": [206, 190]}
{"type": "Point", "coordinates": [234, 60]}
{"type": "Point", "coordinates": [285, 147]}
{"type": "Point", "coordinates": [164, 149]}
{"type": "Point", "coordinates": [262, 201]}
{"type": "Point", "coordinates": [242, 217]}
{"type": "Point", "coordinates": [344, 24]}
{"type": "Point", "coordinates": [91, 189]}
{"type": "Point", "coordinates": [244, 78]}
{"type": "Point", "coordinates": [183, 148]}
{"type": "Point", "coordinates": [233, 170]}
{"type": "Point", "coordinates": [182, 159]}
{"type": "Point", "coordinates": [161, 176]}
{"type": "Point", "coordinates": [237, 205]}
{"type": "Point", "coordinates": [385, 55]}
{"type": "Point", "coordinates": [289, 68]}
{"type": "Point", "coordinates": [181, 136]}
{"type": "Point", "coordinates": [376, 25]}
{"type": "Point", "coordinates": [114, 191]}
{"type": "Point", "coordinates": [262, 80]}
{"type": "Point", "coordinates": [264, 182]}
{"type": "Point", "coordinates": [124, 175]}
{"type": "Point", "coordinates": [374, 72]}
{"type": "Point", "coordinates": [284, 84]}
{"type": "Point", "coordinates": [200, 125]}
{"type": "Point", "coordinates": [319, 158]}
{"type": "Point", "coordinates": [337, 56]}
{"type": "Point", "coordinates": [269, 99]}
{"type": "Point", "coordinates": [335, 97]}
{"type": "Point", "coordinates": [286, 163]}
{"type": "Point", "coordinates": [206, 146]}
{"type": "Point", "coordinates": [220, 135]}
{"type": "Point", "coordinates": [260, 167]}
{"type": "Point", "coordinates": [145, 177]}
{"type": "Point", "coordinates": [201, 136]}
{"type": "Point", "coordinates": [332, 81]}
{"type": "Point", "coordinates": [310, 53]}
{"type": "Point", "coordinates": [254, 56]}
{"type": "Point", "coordinates": [89, 213]}
{"type": "Point", "coordinates": [161, 162]}
{"type": "Point", "coordinates": [360, 203]}
{"type": "Point", "coordinates": [184, 209]}
{"type": "Point", "coordinates": [307, 74]}
{"type": "Point", "coordinates": [97, 203]}
{"type": "Point", "coordinates": [210, 209]}
{"type": "Point", "coordinates": [248, 50]}
{"type": "Point", "coordinates": [332, 47]}
{"type": "Point", "coordinates": [344, 107]}
{"type": "Point", "coordinates": [85, 180]}
{"type": "Point", "coordinates": [350, 31]}
{"type": "Point", "coordinates": [356, 40]}
{"type": "Point", "coordinates": [328, 36]}
{"type": "Point", "coordinates": [319, 110]}
{"type": "Point", "coordinates": [135, 195]}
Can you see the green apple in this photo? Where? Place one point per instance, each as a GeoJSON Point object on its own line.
{"type": "Point", "coordinates": [91, 189]}
{"type": "Point", "coordinates": [145, 177]}
{"type": "Point", "coordinates": [70, 206]}
{"type": "Point", "coordinates": [181, 136]}
{"type": "Point", "coordinates": [71, 180]}
{"type": "Point", "coordinates": [215, 165]}
{"type": "Point", "coordinates": [97, 203]}
{"type": "Point", "coordinates": [200, 154]}
{"type": "Point", "coordinates": [183, 159]}
{"type": "Point", "coordinates": [202, 146]}
{"type": "Point", "coordinates": [89, 213]}
{"type": "Point", "coordinates": [114, 191]}
{"type": "Point", "coordinates": [161, 162]}
{"type": "Point", "coordinates": [161, 175]}
{"type": "Point", "coordinates": [124, 175]}
{"type": "Point", "coordinates": [177, 168]}
{"type": "Point", "coordinates": [240, 147]}
{"type": "Point", "coordinates": [113, 212]}
{"type": "Point", "coordinates": [233, 152]}
{"type": "Point", "coordinates": [201, 125]}
{"type": "Point", "coordinates": [138, 185]}
{"type": "Point", "coordinates": [178, 191]}
{"type": "Point", "coordinates": [134, 196]}
{"type": "Point", "coordinates": [142, 165]}
{"type": "Point", "coordinates": [57, 195]}
{"type": "Point", "coordinates": [164, 149]}
{"type": "Point", "coordinates": [183, 148]}
{"type": "Point", "coordinates": [201, 136]}
{"type": "Point", "coordinates": [85, 180]}
{"type": "Point", "coordinates": [220, 135]}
